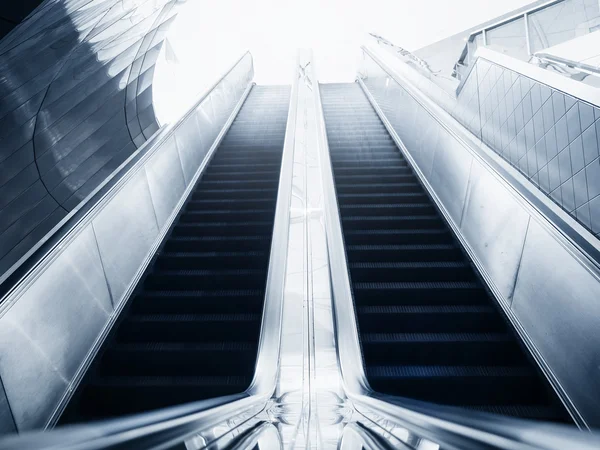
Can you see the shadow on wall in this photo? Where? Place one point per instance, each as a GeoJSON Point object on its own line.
{"type": "Point", "coordinates": [13, 12]}
{"type": "Point", "coordinates": [75, 102]}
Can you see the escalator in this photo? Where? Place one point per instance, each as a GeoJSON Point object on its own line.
{"type": "Point", "coordinates": [191, 328]}
{"type": "Point", "coordinates": [429, 329]}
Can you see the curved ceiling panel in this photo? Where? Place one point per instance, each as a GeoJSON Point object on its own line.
{"type": "Point", "coordinates": [75, 102]}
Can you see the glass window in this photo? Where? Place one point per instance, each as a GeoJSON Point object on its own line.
{"type": "Point", "coordinates": [562, 22]}
{"type": "Point", "coordinates": [509, 38]}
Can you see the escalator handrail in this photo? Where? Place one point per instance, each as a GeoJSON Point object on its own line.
{"type": "Point", "coordinates": [450, 427]}
{"type": "Point", "coordinates": [267, 363]}
{"type": "Point", "coordinates": [155, 429]}
{"type": "Point", "coordinates": [26, 266]}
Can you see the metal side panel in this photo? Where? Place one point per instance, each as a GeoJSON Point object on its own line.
{"type": "Point", "coordinates": [50, 328]}
{"type": "Point", "coordinates": [55, 318]}
{"type": "Point", "coordinates": [164, 173]}
{"type": "Point", "coordinates": [127, 222]}
{"type": "Point", "coordinates": [543, 277]}
{"type": "Point", "coordinates": [496, 230]}
{"type": "Point", "coordinates": [556, 302]}
{"type": "Point", "coordinates": [187, 148]}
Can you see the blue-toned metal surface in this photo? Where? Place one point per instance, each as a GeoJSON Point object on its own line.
{"type": "Point", "coordinates": [75, 103]}
{"type": "Point", "coordinates": [54, 319]}
{"type": "Point", "coordinates": [519, 240]}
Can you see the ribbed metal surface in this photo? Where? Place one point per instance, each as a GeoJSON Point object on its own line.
{"type": "Point", "coordinates": [192, 330]}
{"type": "Point", "coordinates": [75, 102]}
{"type": "Point", "coordinates": [428, 328]}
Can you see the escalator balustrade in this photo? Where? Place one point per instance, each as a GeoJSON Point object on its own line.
{"type": "Point", "coordinates": [428, 328]}
{"type": "Point", "coordinates": [191, 330]}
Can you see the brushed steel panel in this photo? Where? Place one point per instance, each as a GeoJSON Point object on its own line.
{"type": "Point", "coordinates": [217, 99]}
{"type": "Point", "coordinates": [450, 175]}
{"type": "Point", "coordinates": [125, 230]}
{"type": "Point", "coordinates": [7, 424]}
{"type": "Point", "coordinates": [33, 385]}
{"type": "Point", "coordinates": [192, 145]}
{"type": "Point", "coordinates": [51, 332]}
{"type": "Point", "coordinates": [557, 303]}
{"type": "Point", "coordinates": [494, 229]}
{"type": "Point", "coordinates": [207, 120]}
{"type": "Point", "coordinates": [165, 179]}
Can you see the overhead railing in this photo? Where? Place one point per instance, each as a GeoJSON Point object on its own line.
{"type": "Point", "coordinates": [579, 70]}
{"type": "Point", "coordinates": [60, 302]}
{"type": "Point", "coordinates": [532, 31]}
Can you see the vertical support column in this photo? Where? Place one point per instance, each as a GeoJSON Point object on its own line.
{"type": "Point", "coordinates": [527, 37]}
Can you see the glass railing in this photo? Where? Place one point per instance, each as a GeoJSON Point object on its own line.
{"type": "Point", "coordinates": [533, 31]}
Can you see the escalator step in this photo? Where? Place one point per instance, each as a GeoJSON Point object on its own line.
{"type": "Point", "coordinates": [429, 318]}
{"type": "Point", "coordinates": [398, 237]}
{"type": "Point", "coordinates": [179, 358]}
{"type": "Point", "coordinates": [465, 385]}
{"type": "Point", "coordinates": [198, 301]}
{"type": "Point", "coordinates": [391, 222]}
{"type": "Point", "coordinates": [539, 412]}
{"type": "Point", "coordinates": [441, 349]}
{"type": "Point", "coordinates": [411, 271]}
{"type": "Point", "coordinates": [381, 209]}
{"type": "Point", "coordinates": [217, 243]}
{"type": "Point", "coordinates": [207, 278]}
{"type": "Point", "coordinates": [403, 253]}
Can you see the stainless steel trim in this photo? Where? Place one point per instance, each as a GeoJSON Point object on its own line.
{"type": "Point", "coordinates": [369, 440]}
{"type": "Point", "coordinates": [453, 428]}
{"type": "Point", "coordinates": [253, 437]}
{"type": "Point", "coordinates": [267, 364]}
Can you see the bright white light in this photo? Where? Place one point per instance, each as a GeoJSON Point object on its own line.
{"type": "Point", "coordinates": [208, 35]}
